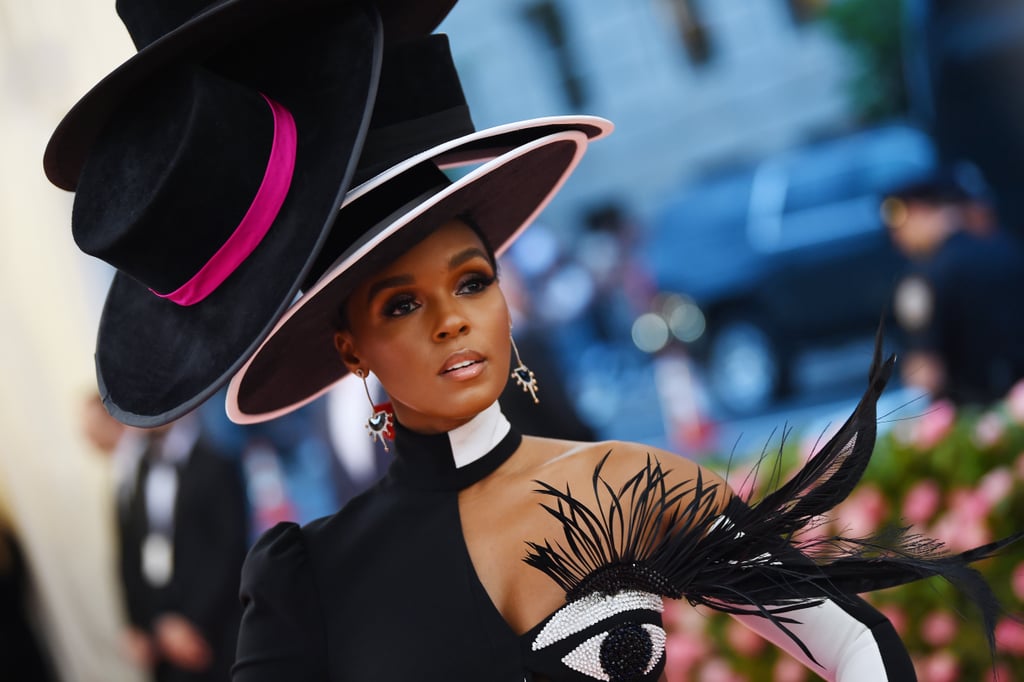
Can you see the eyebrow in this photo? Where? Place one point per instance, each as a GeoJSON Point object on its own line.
{"type": "Point", "coordinates": [466, 255]}
{"type": "Point", "coordinates": [404, 280]}
{"type": "Point", "coordinates": [387, 283]}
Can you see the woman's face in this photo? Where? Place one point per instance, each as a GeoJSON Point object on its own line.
{"type": "Point", "coordinates": [434, 327]}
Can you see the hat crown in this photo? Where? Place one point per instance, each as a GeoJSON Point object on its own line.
{"type": "Point", "coordinates": [419, 104]}
{"type": "Point", "coordinates": [148, 20]}
{"type": "Point", "coordinates": [174, 174]}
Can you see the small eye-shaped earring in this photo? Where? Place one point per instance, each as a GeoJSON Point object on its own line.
{"type": "Point", "coordinates": [381, 423]}
{"type": "Point", "coordinates": [523, 375]}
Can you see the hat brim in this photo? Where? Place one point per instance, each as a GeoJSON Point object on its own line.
{"type": "Point", "coordinates": [298, 362]}
{"type": "Point", "coordinates": [156, 360]}
{"type": "Point", "coordinates": [474, 148]}
{"type": "Point", "coordinates": [208, 37]}
{"type": "Point", "coordinates": [486, 144]}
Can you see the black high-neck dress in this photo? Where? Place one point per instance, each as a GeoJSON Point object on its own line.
{"type": "Point", "coordinates": [385, 590]}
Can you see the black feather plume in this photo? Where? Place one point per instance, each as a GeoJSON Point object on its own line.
{"type": "Point", "coordinates": [670, 539]}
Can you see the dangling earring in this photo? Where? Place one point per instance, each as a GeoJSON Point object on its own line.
{"type": "Point", "coordinates": [380, 424]}
{"type": "Point", "coordinates": [524, 375]}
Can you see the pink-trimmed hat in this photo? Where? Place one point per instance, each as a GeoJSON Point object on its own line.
{"type": "Point", "coordinates": [379, 221]}
{"type": "Point", "coordinates": [223, 35]}
{"type": "Point", "coordinates": [210, 187]}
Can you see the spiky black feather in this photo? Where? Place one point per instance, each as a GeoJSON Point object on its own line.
{"type": "Point", "coordinates": [671, 539]}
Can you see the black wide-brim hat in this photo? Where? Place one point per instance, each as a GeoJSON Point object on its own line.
{"type": "Point", "coordinates": [151, 203]}
{"type": "Point", "coordinates": [380, 220]}
{"type": "Point", "coordinates": [220, 35]}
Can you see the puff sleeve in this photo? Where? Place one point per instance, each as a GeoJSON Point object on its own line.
{"type": "Point", "coordinates": [282, 633]}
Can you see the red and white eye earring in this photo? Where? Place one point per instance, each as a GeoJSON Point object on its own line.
{"type": "Point", "coordinates": [381, 424]}
{"type": "Point", "coordinates": [523, 375]}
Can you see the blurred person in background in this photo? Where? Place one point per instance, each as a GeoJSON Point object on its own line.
{"type": "Point", "coordinates": [183, 524]}
{"type": "Point", "coordinates": [959, 306]}
{"type": "Point", "coordinates": [20, 647]}
{"type": "Point", "coordinates": [288, 463]}
{"type": "Point", "coordinates": [561, 419]}
{"type": "Point", "coordinates": [964, 64]}
{"type": "Point", "coordinates": [623, 286]}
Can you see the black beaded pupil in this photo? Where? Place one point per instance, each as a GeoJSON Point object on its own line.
{"type": "Point", "coordinates": [626, 653]}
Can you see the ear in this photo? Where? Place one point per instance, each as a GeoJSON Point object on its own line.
{"type": "Point", "coordinates": [346, 350]}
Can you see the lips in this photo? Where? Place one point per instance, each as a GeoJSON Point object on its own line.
{"type": "Point", "coordinates": [460, 361]}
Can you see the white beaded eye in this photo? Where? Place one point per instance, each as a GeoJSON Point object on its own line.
{"type": "Point", "coordinates": [590, 610]}
{"type": "Point", "coordinates": [626, 652]}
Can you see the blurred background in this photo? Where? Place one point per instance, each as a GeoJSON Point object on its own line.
{"type": "Point", "coordinates": [710, 279]}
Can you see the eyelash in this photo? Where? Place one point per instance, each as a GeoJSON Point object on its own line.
{"type": "Point", "coordinates": [401, 305]}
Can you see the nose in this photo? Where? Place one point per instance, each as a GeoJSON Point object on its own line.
{"type": "Point", "coordinates": [451, 322]}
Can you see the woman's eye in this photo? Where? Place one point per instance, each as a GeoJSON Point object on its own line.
{"type": "Point", "coordinates": [400, 306]}
{"type": "Point", "coordinates": [475, 284]}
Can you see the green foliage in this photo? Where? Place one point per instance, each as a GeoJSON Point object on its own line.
{"type": "Point", "coordinates": [872, 31]}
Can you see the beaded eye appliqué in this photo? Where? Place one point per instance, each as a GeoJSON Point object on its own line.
{"type": "Point", "coordinates": [622, 652]}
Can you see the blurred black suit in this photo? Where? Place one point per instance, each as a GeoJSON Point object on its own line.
{"type": "Point", "coordinates": [209, 538]}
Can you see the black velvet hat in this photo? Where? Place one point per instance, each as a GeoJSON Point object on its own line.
{"type": "Point", "coordinates": [211, 186]}
{"type": "Point", "coordinates": [380, 220]}
{"type": "Point", "coordinates": [223, 35]}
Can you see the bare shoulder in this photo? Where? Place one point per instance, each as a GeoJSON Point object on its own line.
{"type": "Point", "coordinates": [619, 462]}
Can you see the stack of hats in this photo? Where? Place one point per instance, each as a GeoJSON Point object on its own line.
{"type": "Point", "coordinates": [250, 162]}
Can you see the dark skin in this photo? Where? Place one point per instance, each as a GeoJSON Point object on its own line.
{"type": "Point", "coordinates": [434, 324]}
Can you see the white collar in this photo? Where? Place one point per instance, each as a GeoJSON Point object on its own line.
{"type": "Point", "coordinates": [478, 436]}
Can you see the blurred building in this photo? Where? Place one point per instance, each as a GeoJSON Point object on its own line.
{"type": "Point", "coordinates": [691, 85]}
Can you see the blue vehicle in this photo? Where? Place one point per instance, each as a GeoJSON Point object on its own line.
{"type": "Point", "coordinates": [782, 256]}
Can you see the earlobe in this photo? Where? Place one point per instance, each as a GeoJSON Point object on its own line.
{"type": "Point", "coordinates": [346, 351]}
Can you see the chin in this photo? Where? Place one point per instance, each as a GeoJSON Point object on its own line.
{"type": "Point", "coordinates": [455, 406]}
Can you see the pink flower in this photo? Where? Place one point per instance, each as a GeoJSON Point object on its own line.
{"type": "Point", "coordinates": [969, 504]}
{"type": "Point", "coordinates": [938, 628]}
{"type": "Point", "coordinates": [1018, 581]}
{"type": "Point", "coordinates": [939, 667]}
{"type": "Point", "coordinates": [922, 501]}
{"type": "Point", "coordinates": [745, 641]}
{"type": "Point", "coordinates": [896, 616]}
{"type": "Point", "coordinates": [1010, 636]}
{"type": "Point", "coordinates": [960, 531]}
{"type": "Point", "coordinates": [1015, 402]}
{"type": "Point", "coordinates": [989, 430]}
{"type": "Point", "coordinates": [788, 669]}
{"type": "Point", "coordinates": [863, 511]}
{"type": "Point", "coordinates": [682, 653]}
{"type": "Point", "coordinates": [996, 485]}
{"type": "Point", "coordinates": [683, 617]}
{"type": "Point", "coordinates": [718, 670]}
{"type": "Point", "coordinates": [672, 616]}
{"type": "Point", "coordinates": [934, 424]}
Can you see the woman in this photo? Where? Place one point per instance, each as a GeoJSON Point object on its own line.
{"type": "Point", "coordinates": [424, 577]}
